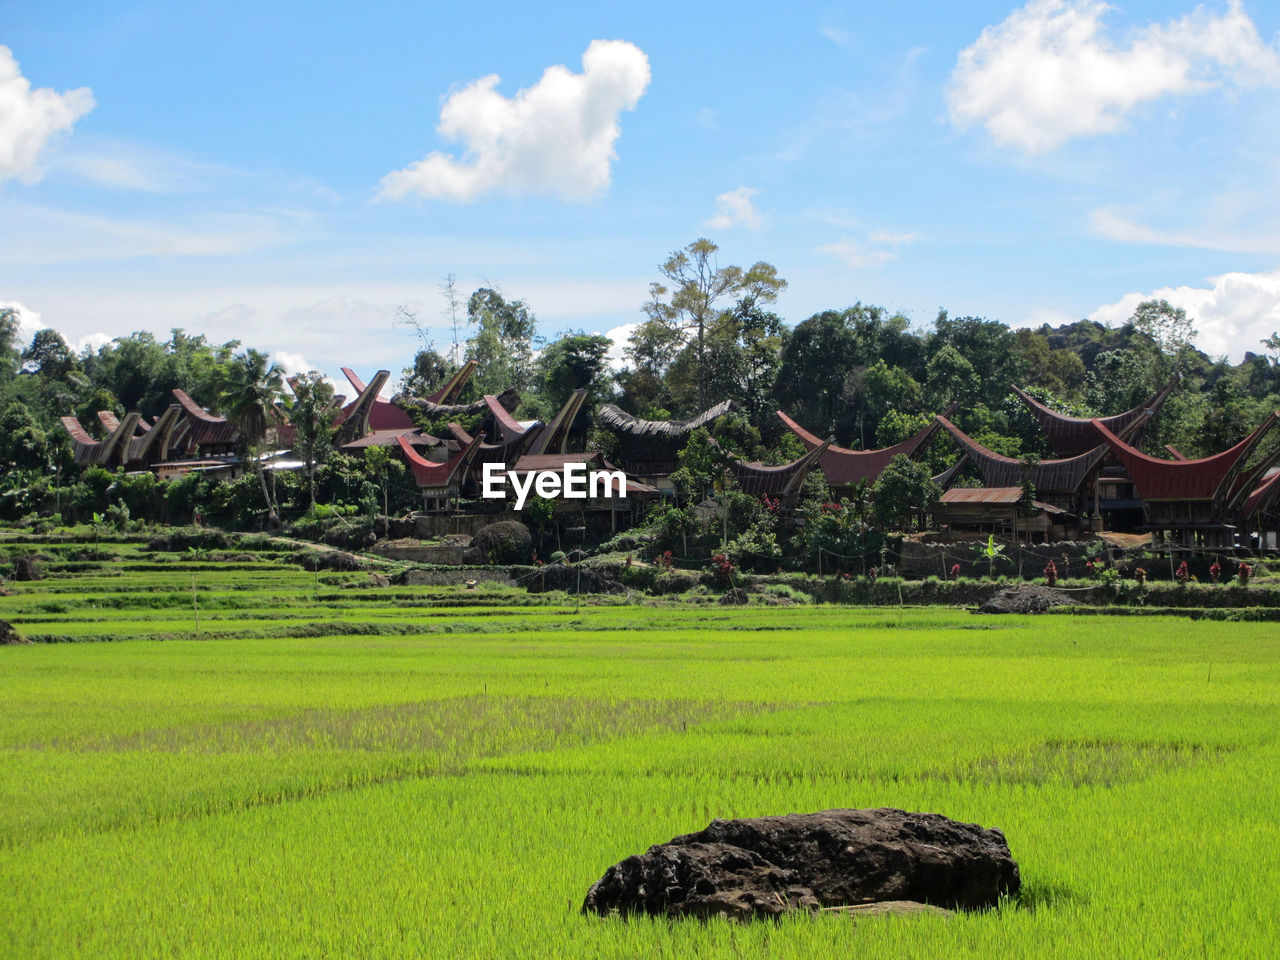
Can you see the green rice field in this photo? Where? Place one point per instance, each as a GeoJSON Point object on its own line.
{"type": "Point", "coordinates": [326, 769]}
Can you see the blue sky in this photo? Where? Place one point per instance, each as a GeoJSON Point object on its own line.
{"type": "Point", "coordinates": [291, 174]}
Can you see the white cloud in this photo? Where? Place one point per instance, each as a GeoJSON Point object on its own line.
{"type": "Point", "coordinates": [734, 208]}
{"type": "Point", "coordinates": [295, 363]}
{"type": "Point", "coordinates": [554, 137]}
{"type": "Point", "coordinates": [876, 249]}
{"type": "Point", "coordinates": [29, 321]}
{"type": "Point", "coordinates": [129, 166]}
{"type": "Point", "coordinates": [1233, 315]}
{"type": "Point", "coordinates": [1113, 226]}
{"type": "Point", "coordinates": [621, 336]}
{"type": "Point", "coordinates": [839, 37]}
{"type": "Point", "coordinates": [29, 119]}
{"type": "Point", "coordinates": [43, 235]}
{"type": "Point", "coordinates": [1050, 72]}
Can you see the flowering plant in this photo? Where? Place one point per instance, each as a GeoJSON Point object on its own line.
{"type": "Point", "coordinates": [1215, 571]}
{"type": "Point", "coordinates": [1182, 574]}
{"type": "Point", "coordinates": [1244, 573]}
{"type": "Point", "coordinates": [1051, 574]}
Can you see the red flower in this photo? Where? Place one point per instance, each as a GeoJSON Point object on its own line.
{"type": "Point", "coordinates": [1051, 574]}
{"type": "Point", "coordinates": [955, 571]}
{"type": "Point", "coordinates": [1244, 573]}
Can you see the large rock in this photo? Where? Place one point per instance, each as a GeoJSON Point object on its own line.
{"type": "Point", "coordinates": [8, 635]}
{"type": "Point", "coordinates": [26, 569]}
{"type": "Point", "coordinates": [502, 543]}
{"type": "Point", "coordinates": [770, 865]}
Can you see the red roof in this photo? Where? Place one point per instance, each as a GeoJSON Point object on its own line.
{"type": "Point", "coordinates": [383, 414]}
{"type": "Point", "coordinates": [205, 429]}
{"type": "Point", "coordinates": [429, 474]}
{"type": "Point", "coordinates": [843, 467]}
{"type": "Point", "coordinates": [1072, 436]}
{"type": "Point", "coordinates": [1049, 476]}
{"type": "Point", "coordinates": [760, 480]}
{"type": "Point", "coordinates": [1201, 479]}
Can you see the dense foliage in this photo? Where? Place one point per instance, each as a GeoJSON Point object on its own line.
{"type": "Point", "coordinates": [861, 373]}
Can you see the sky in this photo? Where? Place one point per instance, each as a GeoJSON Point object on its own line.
{"type": "Point", "coordinates": [295, 176]}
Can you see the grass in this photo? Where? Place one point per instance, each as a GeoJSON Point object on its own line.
{"type": "Point", "coordinates": [449, 784]}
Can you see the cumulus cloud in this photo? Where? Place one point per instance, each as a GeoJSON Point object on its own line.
{"type": "Point", "coordinates": [873, 250]}
{"type": "Point", "coordinates": [295, 363]}
{"type": "Point", "coordinates": [1233, 315]}
{"type": "Point", "coordinates": [621, 336]}
{"type": "Point", "coordinates": [29, 321]}
{"type": "Point", "coordinates": [554, 137]}
{"type": "Point", "coordinates": [734, 208]}
{"type": "Point", "coordinates": [1050, 72]}
{"type": "Point", "coordinates": [30, 118]}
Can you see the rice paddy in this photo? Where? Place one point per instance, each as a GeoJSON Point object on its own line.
{"type": "Point", "coordinates": [323, 768]}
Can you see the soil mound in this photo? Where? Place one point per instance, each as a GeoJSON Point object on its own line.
{"type": "Point", "coordinates": [1027, 598]}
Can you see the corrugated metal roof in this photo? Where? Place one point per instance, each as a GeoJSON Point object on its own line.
{"type": "Point", "coordinates": [1004, 495]}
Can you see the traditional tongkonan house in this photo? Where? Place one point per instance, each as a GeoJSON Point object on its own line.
{"type": "Point", "coordinates": [649, 450]}
{"type": "Point", "coordinates": [1193, 501]}
{"type": "Point", "coordinates": [844, 468]}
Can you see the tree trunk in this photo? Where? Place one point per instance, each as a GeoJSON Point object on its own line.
{"type": "Point", "coordinates": [272, 516]}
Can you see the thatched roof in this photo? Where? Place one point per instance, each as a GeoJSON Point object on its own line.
{"type": "Point", "coordinates": [618, 420]}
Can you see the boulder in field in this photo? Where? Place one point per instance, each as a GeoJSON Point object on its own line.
{"type": "Point", "coordinates": [10, 636]}
{"type": "Point", "coordinates": [505, 542]}
{"type": "Point", "coordinates": [766, 866]}
{"type": "Point", "coordinates": [26, 570]}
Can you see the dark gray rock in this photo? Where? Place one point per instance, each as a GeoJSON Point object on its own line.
{"type": "Point", "coordinates": [26, 569]}
{"type": "Point", "coordinates": [504, 542]}
{"type": "Point", "coordinates": [765, 866]}
{"type": "Point", "coordinates": [8, 635]}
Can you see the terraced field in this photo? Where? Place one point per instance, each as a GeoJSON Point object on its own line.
{"type": "Point", "coordinates": [324, 768]}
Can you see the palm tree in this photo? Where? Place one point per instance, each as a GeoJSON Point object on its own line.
{"type": "Point", "coordinates": [250, 390]}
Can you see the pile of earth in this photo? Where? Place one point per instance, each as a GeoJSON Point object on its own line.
{"type": "Point", "coordinates": [1027, 598]}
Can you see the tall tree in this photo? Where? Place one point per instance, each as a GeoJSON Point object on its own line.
{"type": "Point", "coordinates": [253, 386]}
{"type": "Point", "coordinates": [502, 342]}
{"type": "Point", "coordinates": [697, 283]}
{"type": "Point", "coordinates": [312, 413]}
{"type": "Point", "coordinates": [49, 355]}
{"type": "Point", "coordinates": [574, 361]}
{"type": "Point", "coordinates": [812, 371]}
{"type": "Point", "coordinates": [8, 343]}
